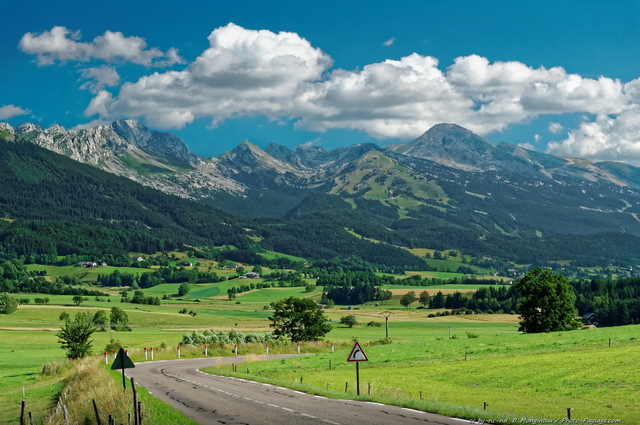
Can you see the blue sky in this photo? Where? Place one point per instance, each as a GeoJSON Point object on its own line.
{"type": "Point", "coordinates": [559, 77]}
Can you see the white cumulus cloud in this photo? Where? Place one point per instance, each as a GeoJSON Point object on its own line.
{"type": "Point", "coordinates": [10, 111]}
{"type": "Point", "coordinates": [98, 78]}
{"type": "Point", "coordinates": [555, 128]}
{"type": "Point", "coordinates": [281, 75]}
{"type": "Point", "coordinates": [243, 72]}
{"type": "Point", "coordinates": [61, 44]}
{"type": "Point", "coordinates": [604, 139]}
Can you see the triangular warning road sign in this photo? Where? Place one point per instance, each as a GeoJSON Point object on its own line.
{"type": "Point", "coordinates": [357, 355]}
{"type": "Point", "coordinates": [122, 361]}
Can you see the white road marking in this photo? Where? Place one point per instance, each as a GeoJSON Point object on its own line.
{"type": "Point", "coordinates": [308, 416]}
{"type": "Point", "coordinates": [412, 410]}
{"type": "Point", "coordinates": [377, 404]}
{"type": "Point", "coordinates": [287, 409]}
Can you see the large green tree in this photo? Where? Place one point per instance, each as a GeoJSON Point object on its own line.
{"type": "Point", "coordinates": [299, 319]}
{"type": "Point", "coordinates": [74, 336]}
{"type": "Point", "coordinates": [547, 302]}
{"type": "Point", "coordinates": [408, 298]}
{"type": "Point", "coordinates": [424, 299]}
{"type": "Point", "coordinates": [119, 319]}
{"type": "Point", "coordinates": [8, 304]}
{"type": "Point", "coordinates": [184, 289]}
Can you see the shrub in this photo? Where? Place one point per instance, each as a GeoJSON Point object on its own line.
{"type": "Point", "coordinates": [349, 320]}
{"type": "Point", "coordinates": [113, 345]}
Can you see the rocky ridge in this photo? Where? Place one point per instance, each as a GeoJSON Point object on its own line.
{"type": "Point", "coordinates": [448, 174]}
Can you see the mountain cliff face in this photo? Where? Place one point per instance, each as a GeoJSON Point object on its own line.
{"type": "Point", "coordinates": [447, 177]}
{"type": "Point", "coordinates": [128, 148]}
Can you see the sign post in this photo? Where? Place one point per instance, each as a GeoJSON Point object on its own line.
{"type": "Point", "coordinates": [357, 355]}
{"type": "Point", "coordinates": [123, 362]}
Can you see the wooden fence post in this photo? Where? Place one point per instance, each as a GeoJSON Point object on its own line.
{"type": "Point", "coordinates": [95, 409]}
{"type": "Point", "coordinates": [22, 409]}
{"type": "Point", "coordinates": [135, 403]}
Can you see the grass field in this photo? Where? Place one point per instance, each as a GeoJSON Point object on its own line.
{"type": "Point", "coordinates": [536, 376]}
{"type": "Point", "coordinates": [519, 376]}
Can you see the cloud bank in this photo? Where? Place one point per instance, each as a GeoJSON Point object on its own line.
{"type": "Point", "coordinates": [61, 44]}
{"type": "Point", "coordinates": [281, 75]}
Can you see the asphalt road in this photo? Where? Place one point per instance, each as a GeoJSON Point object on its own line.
{"type": "Point", "coordinates": [213, 399]}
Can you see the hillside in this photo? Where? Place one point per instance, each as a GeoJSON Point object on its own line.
{"type": "Point", "coordinates": [448, 189]}
{"type": "Point", "coordinates": [54, 205]}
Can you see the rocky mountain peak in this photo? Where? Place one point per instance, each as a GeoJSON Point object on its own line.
{"type": "Point", "coordinates": [451, 145]}
{"type": "Point", "coordinates": [27, 127]}
{"type": "Point", "coordinates": [153, 142]}
{"type": "Point", "coordinates": [56, 129]}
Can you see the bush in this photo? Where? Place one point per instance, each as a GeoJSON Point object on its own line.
{"type": "Point", "coordinates": [471, 335]}
{"type": "Point", "coordinates": [349, 320]}
{"type": "Point", "coordinates": [114, 345]}
{"type": "Point", "coordinates": [211, 337]}
{"type": "Point", "coordinates": [383, 341]}
{"type": "Point", "coordinates": [374, 324]}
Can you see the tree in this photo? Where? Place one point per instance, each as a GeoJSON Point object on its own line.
{"type": "Point", "coordinates": [100, 320]}
{"type": "Point", "coordinates": [547, 302]}
{"type": "Point", "coordinates": [299, 319]}
{"type": "Point", "coordinates": [74, 336]}
{"type": "Point", "coordinates": [184, 289]}
{"type": "Point", "coordinates": [8, 304]}
{"type": "Point", "coordinates": [424, 298]}
{"type": "Point", "coordinates": [437, 301]}
{"type": "Point", "coordinates": [78, 299]}
{"type": "Point", "coordinates": [119, 319]}
{"type": "Point", "coordinates": [408, 298]}
{"type": "Point", "coordinates": [349, 320]}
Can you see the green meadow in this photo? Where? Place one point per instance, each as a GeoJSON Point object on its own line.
{"type": "Point", "coordinates": [517, 376]}
{"type": "Point", "coordinates": [450, 364]}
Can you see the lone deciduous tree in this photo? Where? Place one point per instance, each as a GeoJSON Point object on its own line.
{"type": "Point", "coordinates": [119, 319]}
{"type": "Point", "coordinates": [299, 319]}
{"type": "Point", "coordinates": [184, 289]}
{"type": "Point", "coordinates": [408, 298]}
{"type": "Point", "coordinates": [8, 304]}
{"type": "Point", "coordinates": [547, 302]}
{"type": "Point", "coordinates": [74, 336]}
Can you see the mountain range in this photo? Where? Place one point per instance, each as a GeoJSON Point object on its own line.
{"type": "Point", "coordinates": [449, 187]}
